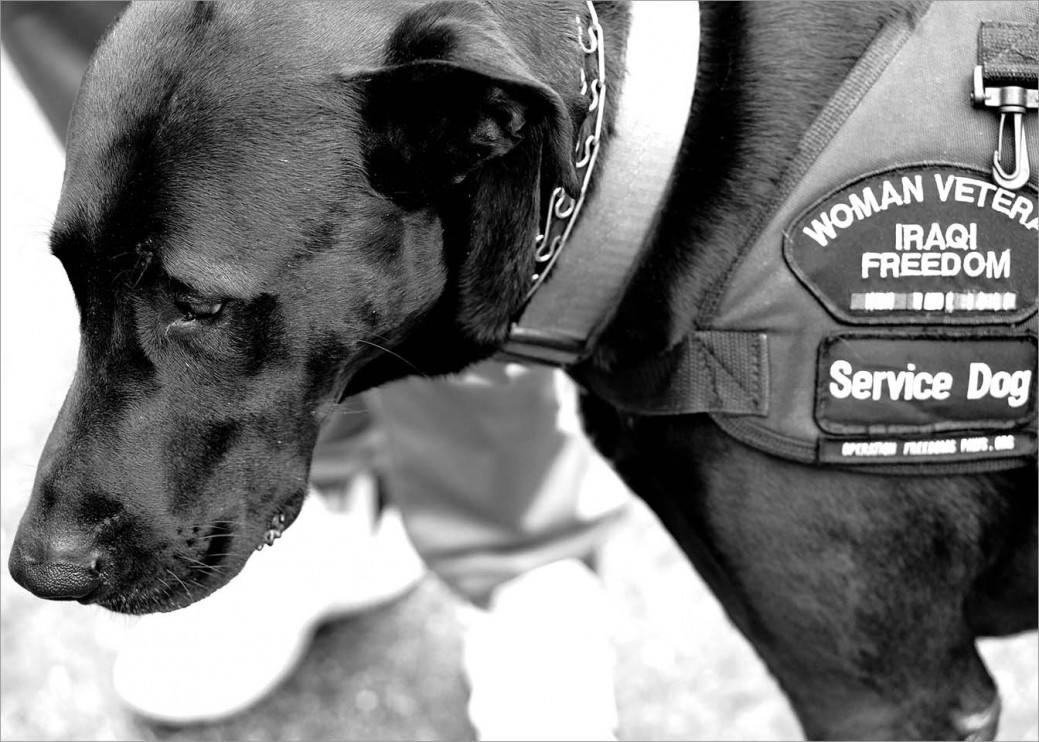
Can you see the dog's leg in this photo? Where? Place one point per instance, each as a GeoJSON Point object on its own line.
{"type": "Point", "coordinates": [851, 590]}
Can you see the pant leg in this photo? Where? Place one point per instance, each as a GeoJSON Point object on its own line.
{"type": "Point", "coordinates": [348, 443]}
{"type": "Point", "coordinates": [492, 474]}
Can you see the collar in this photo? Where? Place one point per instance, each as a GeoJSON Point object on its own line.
{"type": "Point", "coordinates": [585, 265]}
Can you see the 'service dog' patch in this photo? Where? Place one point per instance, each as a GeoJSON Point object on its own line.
{"type": "Point", "coordinates": [888, 384]}
{"type": "Point", "coordinates": [925, 244]}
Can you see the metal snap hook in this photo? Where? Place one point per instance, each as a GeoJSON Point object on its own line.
{"type": "Point", "coordinates": [1021, 171]}
{"type": "Point", "coordinates": [1009, 100]}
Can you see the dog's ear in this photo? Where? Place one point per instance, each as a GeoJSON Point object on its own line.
{"type": "Point", "coordinates": [431, 123]}
{"type": "Point", "coordinates": [463, 117]}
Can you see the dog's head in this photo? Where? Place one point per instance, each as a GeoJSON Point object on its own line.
{"type": "Point", "coordinates": [265, 207]}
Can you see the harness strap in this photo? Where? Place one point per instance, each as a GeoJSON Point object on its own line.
{"type": "Point", "coordinates": [1009, 54]}
{"type": "Point", "coordinates": [733, 365]}
{"type": "Point", "coordinates": [709, 371]}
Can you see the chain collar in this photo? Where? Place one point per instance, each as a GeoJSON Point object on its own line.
{"type": "Point", "coordinates": [563, 210]}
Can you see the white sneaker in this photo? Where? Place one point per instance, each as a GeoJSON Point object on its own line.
{"type": "Point", "coordinates": [540, 659]}
{"type": "Point", "coordinates": [258, 626]}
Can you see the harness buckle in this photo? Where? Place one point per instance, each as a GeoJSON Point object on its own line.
{"type": "Point", "coordinates": [1014, 101]}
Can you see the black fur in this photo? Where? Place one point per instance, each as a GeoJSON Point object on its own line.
{"type": "Point", "coordinates": [361, 204]}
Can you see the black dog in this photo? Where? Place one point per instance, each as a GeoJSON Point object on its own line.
{"type": "Point", "coordinates": [260, 201]}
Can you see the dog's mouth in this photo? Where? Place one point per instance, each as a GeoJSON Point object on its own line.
{"type": "Point", "coordinates": [204, 558]}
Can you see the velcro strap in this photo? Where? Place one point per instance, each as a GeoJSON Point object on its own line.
{"type": "Point", "coordinates": [710, 371]}
{"type": "Point", "coordinates": [1009, 54]}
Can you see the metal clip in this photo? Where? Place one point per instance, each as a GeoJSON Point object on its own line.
{"type": "Point", "coordinates": [1019, 175]}
{"type": "Point", "coordinates": [1012, 101]}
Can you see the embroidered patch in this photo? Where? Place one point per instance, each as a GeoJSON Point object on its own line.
{"type": "Point", "coordinates": [927, 244]}
{"type": "Point", "coordinates": [938, 448]}
{"type": "Point", "coordinates": [899, 383]}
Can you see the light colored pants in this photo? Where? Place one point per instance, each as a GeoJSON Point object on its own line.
{"type": "Point", "coordinates": [493, 475]}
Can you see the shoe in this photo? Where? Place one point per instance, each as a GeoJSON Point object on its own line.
{"type": "Point", "coordinates": [258, 627]}
{"type": "Point", "coordinates": [539, 660]}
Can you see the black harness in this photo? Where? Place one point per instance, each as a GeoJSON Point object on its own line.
{"type": "Point", "coordinates": [884, 315]}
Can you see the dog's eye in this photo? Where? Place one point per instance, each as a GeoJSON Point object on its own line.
{"type": "Point", "coordinates": [195, 308]}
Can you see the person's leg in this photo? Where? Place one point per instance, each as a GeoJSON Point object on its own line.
{"type": "Point", "coordinates": [506, 501]}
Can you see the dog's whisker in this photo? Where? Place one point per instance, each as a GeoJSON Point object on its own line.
{"type": "Point", "coordinates": [182, 583]}
{"type": "Point", "coordinates": [204, 540]}
{"type": "Point", "coordinates": [209, 572]}
{"type": "Point", "coordinates": [196, 561]}
{"type": "Point", "coordinates": [218, 556]}
{"type": "Point", "coordinates": [189, 560]}
{"type": "Point", "coordinates": [342, 412]}
{"type": "Point", "coordinates": [210, 524]}
{"type": "Point", "coordinates": [375, 335]}
{"type": "Point", "coordinates": [166, 592]}
{"type": "Point", "coordinates": [201, 566]}
{"type": "Point", "coordinates": [394, 354]}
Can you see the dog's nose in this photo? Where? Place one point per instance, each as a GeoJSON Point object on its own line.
{"type": "Point", "coordinates": [64, 567]}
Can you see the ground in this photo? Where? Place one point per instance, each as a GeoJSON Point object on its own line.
{"type": "Point", "coordinates": [683, 671]}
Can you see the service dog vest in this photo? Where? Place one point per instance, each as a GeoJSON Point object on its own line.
{"type": "Point", "coordinates": [884, 316]}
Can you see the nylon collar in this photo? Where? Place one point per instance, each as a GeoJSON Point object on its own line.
{"type": "Point", "coordinates": [596, 257]}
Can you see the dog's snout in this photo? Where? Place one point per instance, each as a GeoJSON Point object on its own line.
{"type": "Point", "coordinates": [63, 567]}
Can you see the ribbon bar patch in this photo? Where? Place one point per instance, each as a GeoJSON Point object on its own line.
{"type": "Point", "coordinates": [928, 244]}
{"type": "Point", "coordinates": [897, 383]}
